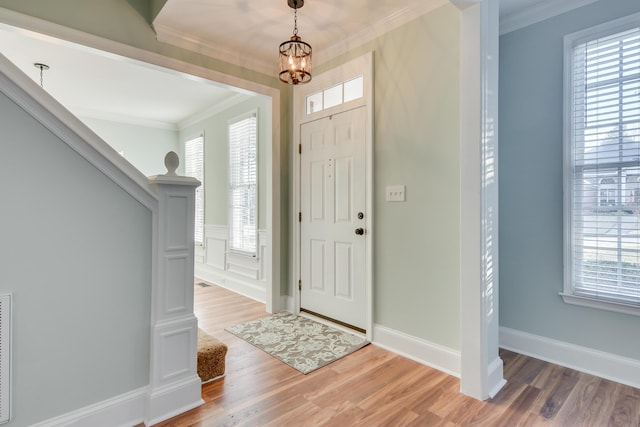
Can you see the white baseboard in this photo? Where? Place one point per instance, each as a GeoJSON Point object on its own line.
{"type": "Point", "coordinates": [434, 355]}
{"type": "Point", "coordinates": [495, 377]}
{"type": "Point", "coordinates": [168, 401]}
{"type": "Point", "coordinates": [131, 408]}
{"type": "Point", "coordinates": [255, 291]}
{"type": "Point", "coordinates": [125, 410]}
{"type": "Point", "coordinates": [605, 365]}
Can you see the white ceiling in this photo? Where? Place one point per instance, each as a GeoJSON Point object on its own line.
{"type": "Point", "coordinates": [92, 83]}
{"type": "Point", "coordinates": [249, 32]}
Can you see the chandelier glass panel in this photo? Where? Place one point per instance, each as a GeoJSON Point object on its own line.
{"type": "Point", "coordinates": [295, 54]}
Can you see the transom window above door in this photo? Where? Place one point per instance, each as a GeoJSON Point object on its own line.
{"type": "Point", "coordinates": [339, 94]}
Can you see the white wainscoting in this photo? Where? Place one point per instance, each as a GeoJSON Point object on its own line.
{"type": "Point", "coordinates": [242, 274]}
{"type": "Point", "coordinates": [599, 363]}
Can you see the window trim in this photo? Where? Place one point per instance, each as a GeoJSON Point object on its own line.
{"type": "Point", "coordinates": [199, 190]}
{"type": "Point", "coordinates": [230, 249]}
{"type": "Point", "coordinates": [570, 41]}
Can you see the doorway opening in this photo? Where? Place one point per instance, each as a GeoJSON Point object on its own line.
{"type": "Point", "coordinates": [158, 129]}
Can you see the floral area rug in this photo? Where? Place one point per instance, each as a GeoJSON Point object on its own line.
{"type": "Point", "coordinates": [297, 341]}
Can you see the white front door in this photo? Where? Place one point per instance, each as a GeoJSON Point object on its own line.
{"type": "Point", "coordinates": [334, 218]}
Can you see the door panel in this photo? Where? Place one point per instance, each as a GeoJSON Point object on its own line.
{"type": "Point", "coordinates": [317, 265]}
{"type": "Point", "coordinates": [317, 191]}
{"type": "Point", "coordinates": [333, 187]}
{"type": "Point", "coordinates": [344, 274]}
{"type": "Point", "coordinates": [343, 198]}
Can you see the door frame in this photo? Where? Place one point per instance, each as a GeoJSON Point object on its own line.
{"type": "Point", "coordinates": [362, 65]}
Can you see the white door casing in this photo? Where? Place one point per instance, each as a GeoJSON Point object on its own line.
{"type": "Point", "coordinates": [333, 212]}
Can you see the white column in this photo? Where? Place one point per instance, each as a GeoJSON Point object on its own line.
{"type": "Point", "coordinates": [481, 374]}
{"type": "Point", "coordinates": [174, 384]}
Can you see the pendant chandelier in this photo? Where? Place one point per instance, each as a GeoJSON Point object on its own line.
{"type": "Point", "coordinates": [295, 55]}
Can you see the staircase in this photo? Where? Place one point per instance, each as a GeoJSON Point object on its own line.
{"type": "Point", "coordinates": [51, 160]}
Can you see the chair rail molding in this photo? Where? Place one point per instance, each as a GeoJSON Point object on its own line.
{"type": "Point", "coordinates": [242, 274]}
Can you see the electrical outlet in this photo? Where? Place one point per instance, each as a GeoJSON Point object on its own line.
{"type": "Point", "coordinates": [395, 193]}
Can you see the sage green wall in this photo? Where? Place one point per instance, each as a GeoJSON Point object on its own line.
{"type": "Point", "coordinates": [144, 8]}
{"type": "Point", "coordinates": [155, 7]}
{"type": "Point", "coordinates": [143, 146]}
{"type": "Point", "coordinates": [416, 143]}
{"type": "Point", "coordinates": [216, 157]}
{"type": "Point", "coordinates": [76, 256]}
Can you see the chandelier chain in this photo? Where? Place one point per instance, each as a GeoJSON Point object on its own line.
{"type": "Point", "coordinates": [42, 67]}
{"type": "Point", "coordinates": [295, 21]}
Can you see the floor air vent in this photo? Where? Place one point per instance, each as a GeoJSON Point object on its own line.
{"type": "Point", "coordinates": [5, 358]}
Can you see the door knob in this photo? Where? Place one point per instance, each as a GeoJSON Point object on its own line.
{"type": "Point", "coordinates": [360, 231]}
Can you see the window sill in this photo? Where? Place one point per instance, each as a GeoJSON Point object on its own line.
{"type": "Point", "coordinates": [618, 307]}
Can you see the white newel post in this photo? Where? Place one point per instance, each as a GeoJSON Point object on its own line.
{"type": "Point", "coordinates": [174, 384]}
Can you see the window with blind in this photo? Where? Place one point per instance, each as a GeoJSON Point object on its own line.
{"type": "Point", "coordinates": [602, 166]}
{"type": "Point", "coordinates": [243, 183]}
{"type": "Point", "coordinates": [194, 167]}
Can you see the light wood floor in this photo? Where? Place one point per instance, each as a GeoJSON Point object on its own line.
{"type": "Point", "coordinates": [374, 387]}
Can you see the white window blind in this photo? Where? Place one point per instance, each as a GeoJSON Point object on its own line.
{"type": "Point", "coordinates": [243, 184]}
{"type": "Point", "coordinates": [194, 167]}
{"type": "Point", "coordinates": [603, 154]}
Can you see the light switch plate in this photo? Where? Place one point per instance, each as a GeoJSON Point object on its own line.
{"type": "Point", "coordinates": [395, 193]}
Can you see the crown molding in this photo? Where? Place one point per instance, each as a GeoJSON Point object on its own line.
{"type": "Point", "coordinates": [413, 10]}
{"type": "Point", "coordinates": [538, 12]}
{"type": "Point", "coordinates": [157, 124]}
{"type": "Point", "coordinates": [174, 37]}
{"type": "Point", "coordinates": [122, 118]}
{"type": "Point", "coordinates": [213, 110]}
